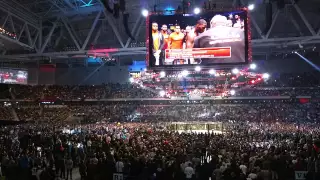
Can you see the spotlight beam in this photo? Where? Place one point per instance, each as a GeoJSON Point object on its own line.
{"type": "Point", "coordinates": [308, 61]}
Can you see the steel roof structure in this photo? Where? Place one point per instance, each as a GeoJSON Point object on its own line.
{"type": "Point", "coordinates": [66, 29]}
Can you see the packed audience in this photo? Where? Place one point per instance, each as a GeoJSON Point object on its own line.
{"type": "Point", "coordinates": [56, 114]}
{"type": "Point", "coordinates": [247, 150]}
{"type": "Point", "coordinates": [28, 113]}
{"type": "Point", "coordinates": [284, 85]}
{"type": "Point", "coordinates": [97, 140]}
{"type": "Point", "coordinates": [276, 111]}
{"type": "Point", "coordinates": [5, 113]}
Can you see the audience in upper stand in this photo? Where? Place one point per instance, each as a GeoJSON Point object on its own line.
{"type": "Point", "coordinates": [284, 85]}
{"type": "Point", "coordinates": [26, 92]}
{"type": "Point", "coordinates": [5, 113]}
{"type": "Point", "coordinates": [257, 112]}
{"type": "Point", "coordinates": [28, 113]}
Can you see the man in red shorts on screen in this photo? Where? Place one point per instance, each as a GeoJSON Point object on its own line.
{"type": "Point", "coordinates": [176, 40]}
{"type": "Point", "coordinates": [220, 35]}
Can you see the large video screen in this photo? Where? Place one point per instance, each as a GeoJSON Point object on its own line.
{"type": "Point", "coordinates": [211, 38]}
{"type": "Point", "coordinates": [13, 76]}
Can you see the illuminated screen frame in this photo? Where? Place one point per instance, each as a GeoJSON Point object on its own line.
{"type": "Point", "coordinates": [15, 71]}
{"type": "Point", "coordinates": [247, 35]}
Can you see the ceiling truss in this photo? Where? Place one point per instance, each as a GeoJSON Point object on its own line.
{"type": "Point", "coordinates": [39, 39]}
{"type": "Point", "coordinates": [18, 24]}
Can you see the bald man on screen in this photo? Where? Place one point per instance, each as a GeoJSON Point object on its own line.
{"type": "Point", "coordinates": [221, 34]}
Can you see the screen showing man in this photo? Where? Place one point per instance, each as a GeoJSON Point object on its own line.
{"type": "Point", "coordinates": [157, 44]}
{"type": "Point", "coordinates": [165, 33]}
{"type": "Point", "coordinates": [199, 28]}
{"type": "Point", "coordinates": [221, 35]}
{"type": "Point", "coordinates": [208, 39]}
{"type": "Point", "coordinates": [13, 76]}
{"type": "Point", "coordinates": [176, 38]}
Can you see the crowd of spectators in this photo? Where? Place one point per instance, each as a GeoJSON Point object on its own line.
{"type": "Point", "coordinates": [144, 151]}
{"type": "Point", "coordinates": [314, 92]}
{"type": "Point", "coordinates": [266, 112]}
{"type": "Point", "coordinates": [28, 92]}
{"type": "Point", "coordinates": [128, 91]}
{"type": "Point", "coordinates": [260, 141]}
{"type": "Point", "coordinates": [74, 92]}
{"type": "Point", "coordinates": [132, 91]}
{"type": "Point", "coordinates": [57, 114]}
{"type": "Point", "coordinates": [5, 113]}
{"type": "Point", "coordinates": [283, 85]}
{"type": "Point", "coordinates": [28, 113]}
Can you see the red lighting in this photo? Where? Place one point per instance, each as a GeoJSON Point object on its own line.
{"type": "Point", "coordinates": [103, 50]}
{"type": "Point", "coordinates": [253, 81]}
{"type": "Point", "coordinates": [304, 100]}
{"type": "Point", "coordinates": [249, 36]}
{"type": "Point", "coordinates": [147, 40]}
{"type": "Point", "coordinates": [259, 79]}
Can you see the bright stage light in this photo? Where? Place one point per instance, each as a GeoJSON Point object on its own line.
{"type": "Point", "coordinates": [197, 68]}
{"type": "Point", "coordinates": [235, 71]}
{"type": "Point", "coordinates": [265, 76]}
{"type": "Point", "coordinates": [145, 12]}
{"type": "Point", "coordinates": [162, 74]}
{"type": "Point", "coordinates": [184, 73]}
{"type": "Point", "coordinates": [131, 79]}
{"type": "Point", "coordinates": [162, 93]}
{"type": "Point", "coordinates": [232, 92]}
{"type": "Point", "coordinates": [196, 10]}
{"type": "Point", "coordinates": [212, 71]}
{"type": "Point", "coordinates": [253, 66]}
{"type": "Point", "coordinates": [251, 7]}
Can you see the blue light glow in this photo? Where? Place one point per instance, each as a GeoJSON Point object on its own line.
{"type": "Point", "coordinates": [137, 66]}
{"type": "Point", "coordinates": [94, 60]}
{"type": "Point", "coordinates": [169, 11]}
{"type": "Point", "coordinates": [86, 4]}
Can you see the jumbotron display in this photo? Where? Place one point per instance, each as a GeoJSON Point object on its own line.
{"type": "Point", "coordinates": [212, 38]}
{"type": "Point", "coordinates": [13, 76]}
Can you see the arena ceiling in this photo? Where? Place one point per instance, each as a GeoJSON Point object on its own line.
{"type": "Point", "coordinates": [65, 29]}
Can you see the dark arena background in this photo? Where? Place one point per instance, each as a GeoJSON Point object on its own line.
{"type": "Point", "coordinates": [160, 89]}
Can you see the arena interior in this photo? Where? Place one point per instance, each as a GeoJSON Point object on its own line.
{"type": "Point", "coordinates": [88, 93]}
